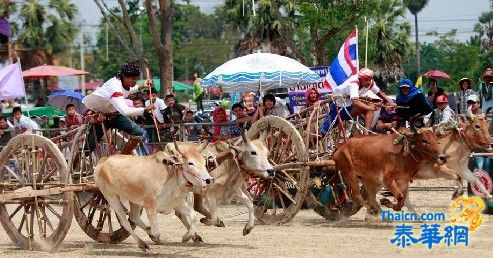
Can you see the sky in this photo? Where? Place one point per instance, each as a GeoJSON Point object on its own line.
{"type": "Point", "coordinates": [439, 15]}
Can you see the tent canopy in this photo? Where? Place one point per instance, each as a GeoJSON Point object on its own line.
{"type": "Point", "coordinates": [50, 71]}
{"type": "Point", "coordinates": [177, 86]}
{"type": "Point", "coordinates": [48, 111]}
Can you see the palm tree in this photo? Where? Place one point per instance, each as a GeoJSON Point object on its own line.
{"type": "Point", "coordinates": [46, 30]}
{"type": "Point", "coordinates": [415, 6]}
{"type": "Point", "coordinates": [262, 30]}
{"type": "Point", "coordinates": [485, 27]}
{"type": "Point", "coordinates": [391, 40]}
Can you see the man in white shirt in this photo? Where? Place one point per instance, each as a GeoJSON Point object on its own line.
{"type": "Point", "coordinates": [109, 100]}
{"type": "Point", "coordinates": [349, 105]}
{"type": "Point", "coordinates": [159, 107]}
{"type": "Point", "coordinates": [23, 124]}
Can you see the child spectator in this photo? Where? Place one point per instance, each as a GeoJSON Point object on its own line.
{"type": "Point", "coordinates": [192, 132]}
{"type": "Point", "coordinates": [73, 119]}
{"type": "Point", "coordinates": [23, 124]}
{"type": "Point", "coordinates": [443, 113]}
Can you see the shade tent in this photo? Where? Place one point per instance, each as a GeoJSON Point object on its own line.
{"type": "Point", "coordinates": [43, 71]}
{"type": "Point", "coordinates": [48, 111]}
{"type": "Point", "coordinates": [177, 86]}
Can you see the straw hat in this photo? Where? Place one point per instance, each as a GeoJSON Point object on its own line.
{"type": "Point", "coordinates": [469, 82]}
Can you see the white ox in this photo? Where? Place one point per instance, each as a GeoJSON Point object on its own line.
{"type": "Point", "coordinates": [250, 158]}
{"type": "Point", "coordinates": [159, 183]}
{"type": "Point", "coordinates": [457, 144]}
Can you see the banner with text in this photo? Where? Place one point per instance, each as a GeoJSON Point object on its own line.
{"type": "Point", "coordinates": [297, 93]}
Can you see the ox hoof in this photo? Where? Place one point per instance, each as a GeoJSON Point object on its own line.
{"type": "Point", "coordinates": [206, 221]}
{"type": "Point", "coordinates": [372, 218]}
{"type": "Point", "coordinates": [489, 197]}
{"type": "Point", "coordinates": [247, 230]}
{"type": "Point", "coordinates": [220, 224]}
{"type": "Point", "coordinates": [186, 238]}
{"type": "Point", "coordinates": [386, 202]}
{"type": "Point", "coordinates": [155, 239]}
{"type": "Point", "coordinates": [197, 239]}
{"type": "Point", "coordinates": [143, 246]}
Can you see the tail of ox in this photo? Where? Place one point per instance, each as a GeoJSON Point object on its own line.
{"type": "Point", "coordinates": [159, 183]}
{"type": "Point", "coordinates": [248, 158]}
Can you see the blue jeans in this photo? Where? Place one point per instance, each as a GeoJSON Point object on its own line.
{"type": "Point", "coordinates": [332, 117]}
{"type": "Point", "coordinates": [120, 122]}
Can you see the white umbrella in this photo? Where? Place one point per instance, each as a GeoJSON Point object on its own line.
{"type": "Point", "coordinates": [270, 71]}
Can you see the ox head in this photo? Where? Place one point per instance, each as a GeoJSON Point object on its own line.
{"type": "Point", "coordinates": [192, 165]}
{"type": "Point", "coordinates": [425, 143]}
{"type": "Point", "coordinates": [252, 156]}
{"type": "Point", "coordinates": [476, 131]}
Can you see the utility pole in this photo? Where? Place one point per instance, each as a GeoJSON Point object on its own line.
{"type": "Point", "coordinates": [82, 63]}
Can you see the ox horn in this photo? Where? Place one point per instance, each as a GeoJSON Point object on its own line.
{"type": "Point", "coordinates": [203, 145]}
{"type": "Point", "coordinates": [470, 115]}
{"type": "Point", "coordinates": [176, 147]}
{"type": "Point", "coordinates": [245, 139]}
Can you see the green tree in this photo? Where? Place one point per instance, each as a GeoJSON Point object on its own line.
{"type": "Point", "coordinates": [415, 6]}
{"type": "Point", "coordinates": [485, 28]}
{"type": "Point", "coordinates": [389, 41]}
{"type": "Point", "coordinates": [46, 30]}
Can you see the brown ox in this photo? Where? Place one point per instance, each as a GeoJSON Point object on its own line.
{"type": "Point", "coordinates": [457, 144]}
{"type": "Point", "coordinates": [159, 183]}
{"type": "Point", "coordinates": [378, 161]}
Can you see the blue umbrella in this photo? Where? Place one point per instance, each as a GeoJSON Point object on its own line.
{"type": "Point", "coordinates": [61, 99]}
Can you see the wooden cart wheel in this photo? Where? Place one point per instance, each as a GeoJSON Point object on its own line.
{"type": "Point", "coordinates": [278, 200]}
{"type": "Point", "coordinates": [91, 209]}
{"type": "Point", "coordinates": [330, 197]}
{"type": "Point", "coordinates": [33, 162]}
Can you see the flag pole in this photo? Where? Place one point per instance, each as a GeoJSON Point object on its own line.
{"type": "Point", "coordinates": [366, 43]}
{"type": "Point", "coordinates": [357, 48]}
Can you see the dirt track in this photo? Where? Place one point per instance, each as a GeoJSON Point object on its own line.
{"type": "Point", "coordinates": [308, 235]}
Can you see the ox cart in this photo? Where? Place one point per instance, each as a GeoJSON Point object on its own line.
{"type": "Point", "coordinates": [44, 182]}
{"type": "Point", "coordinates": [305, 174]}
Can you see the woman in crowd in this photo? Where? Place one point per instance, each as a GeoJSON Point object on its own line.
{"type": "Point", "coordinates": [312, 96]}
{"type": "Point", "coordinates": [434, 92]}
{"type": "Point", "coordinates": [220, 132]}
{"type": "Point", "coordinates": [461, 97]}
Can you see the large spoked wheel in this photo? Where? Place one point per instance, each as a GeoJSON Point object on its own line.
{"type": "Point", "coordinates": [278, 199]}
{"type": "Point", "coordinates": [30, 164]}
{"type": "Point", "coordinates": [92, 211]}
{"type": "Point", "coordinates": [329, 196]}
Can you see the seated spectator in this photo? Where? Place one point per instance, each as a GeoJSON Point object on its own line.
{"type": "Point", "coordinates": [23, 124]}
{"type": "Point", "coordinates": [62, 125]}
{"type": "Point", "coordinates": [192, 132]}
{"type": "Point", "coordinates": [443, 113]}
{"type": "Point", "coordinates": [73, 119]}
{"type": "Point", "coordinates": [242, 122]}
{"type": "Point", "coordinates": [412, 102]}
{"type": "Point", "coordinates": [221, 132]}
{"type": "Point", "coordinates": [387, 119]}
{"type": "Point", "coordinates": [249, 103]}
{"type": "Point", "coordinates": [5, 131]}
{"type": "Point", "coordinates": [272, 106]}
{"type": "Point", "coordinates": [474, 104]}
{"type": "Point", "coordinates": [312, 96]}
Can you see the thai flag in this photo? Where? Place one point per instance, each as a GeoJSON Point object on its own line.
{"type": "Point", "coordinates": [345, 64]}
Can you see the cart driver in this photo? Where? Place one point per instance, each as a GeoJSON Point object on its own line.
{"type": "Point", "coordinates": [350, 106]}
{"type": "Point", "coordinates": [109, 100]}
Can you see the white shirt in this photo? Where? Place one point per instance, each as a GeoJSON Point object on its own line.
{"type": "Point", "coordinates": [110, 98]}
{"type": "Point", "coordinates": [158, 107]}
{"type": "Point", "coordinates": [26, 123]}
{"type": "Point", "coordinates": [443, 116]}
{"type": "Point", "coordinates": [350, 89]}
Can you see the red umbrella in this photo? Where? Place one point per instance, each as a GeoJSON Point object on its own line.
{"type": "Point", "coordinates": [437, 74]}
{"type": "Point", "coordinates": [43, 71]}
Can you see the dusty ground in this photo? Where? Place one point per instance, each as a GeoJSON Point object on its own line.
{"type": "Point", "coordinates": [308, 235]}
